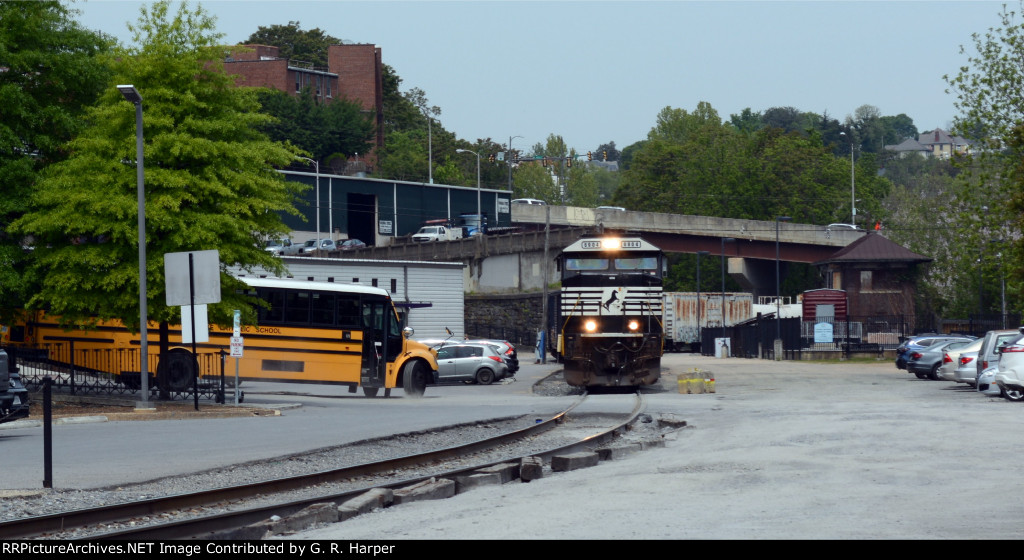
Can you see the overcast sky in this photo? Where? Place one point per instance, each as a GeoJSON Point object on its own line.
{"type": "Point", "coordinates": [597, 71]}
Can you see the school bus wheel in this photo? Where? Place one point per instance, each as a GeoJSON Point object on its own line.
{"type": "Point", "coordinates": [176, 370]}
{"type": "Point", "coordinates": [414, 378]}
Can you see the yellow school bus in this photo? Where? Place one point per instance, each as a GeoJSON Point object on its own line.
{"type": "Point", "coordinates": [312, 332]}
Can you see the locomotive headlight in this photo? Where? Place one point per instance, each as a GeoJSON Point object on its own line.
{"type": "Point", "coordinates": [590, 325]}
{"type": "Point", "coordinates": [611, 243]}
{"type": "Point", "coordinates": [634, 324]}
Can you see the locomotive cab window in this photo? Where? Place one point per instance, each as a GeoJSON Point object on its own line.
{"type": "Point", "coordinates": [586, 264]}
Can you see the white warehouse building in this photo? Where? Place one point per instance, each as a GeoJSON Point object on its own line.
{"type": "Point", "coordinates": [431, 294]}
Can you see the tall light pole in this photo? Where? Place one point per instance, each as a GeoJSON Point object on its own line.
{"type": "Point", "coordinates": [853, 200]}
{"type": "Point", "coordinates": [778, 289]}
{"type": "Point", "coordinates": [508, 161]}
{"type": "Point", "coordinates": [699, 255]}
{"type": "Point", "coordinates": [317, 165]}
{"type": "Point", "coordinates": [724, 240]}
{"type": "Point", "coordinates": [133, 96]}
{"type": "Point", "coordinates": [479, 215]}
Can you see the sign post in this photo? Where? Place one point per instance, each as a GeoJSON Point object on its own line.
{"type": "Point", "coordinates": [200, 286]}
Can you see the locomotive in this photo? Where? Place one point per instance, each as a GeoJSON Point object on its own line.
{"type": "Point", "coordinates": [608, 317]}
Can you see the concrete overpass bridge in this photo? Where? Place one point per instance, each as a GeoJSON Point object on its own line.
{"type": "Point", "coordinates": [515, 262]}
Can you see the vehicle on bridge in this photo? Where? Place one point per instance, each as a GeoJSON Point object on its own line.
{"type": "Point", "coordinates": [609, 314]}
{"type": "Point", "coordinates": [309, 332]}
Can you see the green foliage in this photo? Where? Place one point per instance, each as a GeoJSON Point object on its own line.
{"type": "Point", "coordinates": [52, 70]}
{"type": "Point", "coordinates": [294, 43]}
{"type": "Point", "coordinates": [532, 180]}
{"type": "Point", "coordinates": [338, 127]}
{"type": "Point", "coordinates": [209, 178]}
{"type": "Point", "coordinates": [990, 102]}
{"type": "Point", "coordinates": [403, 157]}
{"type": "Point", "coordinates": [693, 163]}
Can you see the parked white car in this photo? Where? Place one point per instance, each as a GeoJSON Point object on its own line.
{"type": "Point", "coordinates": [1010, 374]}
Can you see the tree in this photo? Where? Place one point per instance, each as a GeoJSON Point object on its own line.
{"type": "Point", "coordinates": [533, 180]}
{"type": "Point", "coordinates": [990, 103]}
{"type": "Point", "coordinates": [52, 69]}
{"type": "Point", "coordinates": [606, 152]}
{"type": "Point", "coordinates": [209, 177]}
{"type": "Point", "coordinates": [294, 43]}
{"type": "Point", "coordinates": [323, 130]}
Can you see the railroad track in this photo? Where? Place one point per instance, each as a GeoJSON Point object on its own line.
{"type": "Point", "coordinates": [219, 510]}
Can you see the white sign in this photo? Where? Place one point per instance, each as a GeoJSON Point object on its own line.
{"type": "Point", "coordinates": [503, 206]}
{"type": "Point", "coordinates": [202, 324]}
{"type": "Point", "coordinates": [205, 277]}
{"type": "Point", "coordinates": [384, 227]}
{"type": "Point", "coordinates": [238, 323]}
{"type": "Point", "coordinates": [823, 332]}
{"type": "Point", "coordinates": [236, 346]}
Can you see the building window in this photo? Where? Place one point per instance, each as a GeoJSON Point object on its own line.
{"type": "Point", "coordinates": [837, 280]}
{"type": "Point", "coordinates": [394, 285]}
{"type": "Point", "coordinates": [865, 280]}
{"type": "Point", "coordinates": [328, 80]}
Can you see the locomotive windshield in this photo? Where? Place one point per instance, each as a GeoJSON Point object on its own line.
{"type": "Point", "coordinates": [581, 264]}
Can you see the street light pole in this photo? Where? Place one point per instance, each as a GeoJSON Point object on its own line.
{"type": "Point", "coordinates": [853, 199]}
{"type": "Point", "coordinates": [778, 289]}
{"type": "Point", "coordinates": [724, 240]}
{"type": "Point", "coordinates": [133, 96]}
{"type": "Point", "coordinates": [317, 165]}
{"type": "Point", "coordinates": [508, 161]}
{"type": "Point", "coordinates": [479, 215]}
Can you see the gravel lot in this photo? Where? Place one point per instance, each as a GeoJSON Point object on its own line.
{"type": "Point", "coordinates": [781, 450]}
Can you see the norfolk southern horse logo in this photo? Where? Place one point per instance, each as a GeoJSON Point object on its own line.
{"type": "Point", "coordinates": [613, 303]}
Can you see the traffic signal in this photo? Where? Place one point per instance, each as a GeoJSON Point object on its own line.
{"type": "Point", "coordinates": [490, 158]}
{"type": "Point", "coordinates": [589, 157]}
{"type": "Point", "coordinates": [544, 162]}
{"type": "Point", "coordinates": [568, 162]}
{"type": "Point", "coordinates": [604, 155]}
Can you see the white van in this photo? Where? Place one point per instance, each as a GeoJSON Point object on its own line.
{"type": "Point", "coordinates": [529, 201]}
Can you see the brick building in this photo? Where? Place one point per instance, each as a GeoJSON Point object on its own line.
{"type": "Point", "coordinates": [354, 72]}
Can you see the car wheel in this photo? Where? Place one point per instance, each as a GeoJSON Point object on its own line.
{"type": "Point", "coordinates": [934, 373]}
{"type": "Point", "coordinates": [921, 375]}
{"type": "Point", "coordinates": [414, 379]}
{"type": "Point", "coordinates": [1014, 395]}
{"type": "Point", "coordinates": [370, 392]}
{"type": "Point", "coordinates": [484, 376]}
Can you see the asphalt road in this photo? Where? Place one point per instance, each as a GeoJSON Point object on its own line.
{"type": "Point", "coordinates": [112, 453]}
{"type": "Point", "coordinates": [782, 450]}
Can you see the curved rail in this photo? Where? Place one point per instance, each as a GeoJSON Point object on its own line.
{"type": "Point", "coordinates": [38, 525]}
{"type": "Point", "coordinates": [210, 526]}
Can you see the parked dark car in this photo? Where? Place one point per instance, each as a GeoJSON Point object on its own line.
{"type": "Point", "coordinates": [350, 244]}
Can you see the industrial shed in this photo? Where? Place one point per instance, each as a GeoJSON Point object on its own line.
{"type": "Point", "coordinates": [431, 294]}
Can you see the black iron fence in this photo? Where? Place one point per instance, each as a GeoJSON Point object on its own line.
{"type": "Point", "coordinates": [756, 338]}
{"type": "Point", "coordinates": [113, 371]}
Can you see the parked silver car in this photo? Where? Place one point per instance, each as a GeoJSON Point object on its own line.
{"type": "Point", "coordinates": [951, 359]}
{"type": "Point", "coordinates": [925, 363]}
{"type": "Point", "coordinates": [311, 246]}
{"type": "Point", "coordinates": [986, 383]}
{"type": "Point", "coordinates": [479, 363]}
{"type": "Point", "coordinates": [966, 370]}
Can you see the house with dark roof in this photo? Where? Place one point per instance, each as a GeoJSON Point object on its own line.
{"type": "Point", "coordinates": [878, 275]}
{"type": "Point", "coordinates": [943, 144]}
